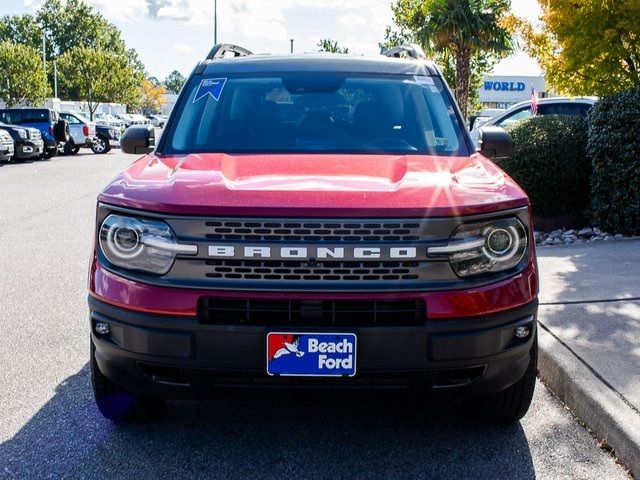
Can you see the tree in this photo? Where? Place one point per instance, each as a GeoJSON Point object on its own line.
{"type": "Point", "coordinates": [586, 47]}
{"type": "Point", "coordinates": [331, 46]}
{"type": "Point", "coordinates": [66, 26]}
{"type": "Point", "coordinates": [97, 77]}
{"type": "Point", "coordinates": [23, 80]}
{"type": "Point", "coordinates": [152, 96]}
{"type": "Point", "coordinates": [174, 82]}
{"type": "Point", "coordinates": [463, 33]}
{"type": "Point", "coordinates": [76, 24]}
{"type": "Point", "coordinates": [22, 29]}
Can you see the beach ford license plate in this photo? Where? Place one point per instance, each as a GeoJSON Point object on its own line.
{"type": "Point", "coordinates": [305, 354]}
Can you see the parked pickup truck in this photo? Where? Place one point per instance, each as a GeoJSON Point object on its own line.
{"type": "Point", "coordinates": [53, 131]}
{"type": "Point", "coordinates": [7, 147]}
{"type": "Point", "coordinates": [313, 221]}
{"type": "Point", "coordinates": [82, 132]}
{"type": "Point", "coordinates": [106, 138]}
{"type": "Point", "coordinates": [28, 141]}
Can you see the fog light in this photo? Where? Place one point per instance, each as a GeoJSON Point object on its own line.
{"type": "Point", "coordinates": [523, 331]}
{"type": "Point", "coordinates": [102, 328]}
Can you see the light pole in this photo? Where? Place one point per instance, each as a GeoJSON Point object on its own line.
{"type": "Point", "coordinates": [55, 78]}
{"type": "Point", "coordinates": [44, 54]}
{"type": "Point", "coordinates": [291, 45]}
{"type": "Point", "coordinates": [215, 22]}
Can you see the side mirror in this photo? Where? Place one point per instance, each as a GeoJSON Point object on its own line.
{"type": "Point", "coordinates": [138, 139]}
{"type": "Point", "coordinates": [494, 142]}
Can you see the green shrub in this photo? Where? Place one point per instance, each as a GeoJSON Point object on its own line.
{"type": "Point", "coordinates": [550, 164]}
{"type": "Point", "coordinates": [614, 148]}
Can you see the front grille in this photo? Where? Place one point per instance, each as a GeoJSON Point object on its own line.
{"type": "Point", "coordinates": [288, 230]}
{"type": "Point", "coordinates": [306, 270]}
{"type": "Point", "coordinates": [299, 313]}
{"type": "Point", "coordinates": [311, 254]}
{"type": "Point", "coordinates": [7, 142]}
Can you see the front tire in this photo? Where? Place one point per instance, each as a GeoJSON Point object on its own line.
{"type": "Point", "coordinates": [100, 145]}
{"type": "Point", "coordinates": [70, 148]}
{"type": "Point", "coordinates": [119, 404]}
{"type": "Point", "coordinates": [50, 153]}
{"type": "Point", "coordinates": [512, 403]}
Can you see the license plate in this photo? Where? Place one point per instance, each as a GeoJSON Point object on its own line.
{"type": "Point", "coordinates": [304, 354]}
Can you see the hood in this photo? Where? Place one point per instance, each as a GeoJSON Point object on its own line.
{"type": "Point", "coordinates": [314, 185]}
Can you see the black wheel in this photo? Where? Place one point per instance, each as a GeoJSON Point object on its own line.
{"type": "Point", "coordinates": [119, 404]}
{"type": "Point", "coordinates": [512, 403]}
{"type": "Point", "coordinates": [50, 153]}
{"type": "Point", "coordinates": [100, 145]}
{"type": "Point", "coordinates": [70, 148]}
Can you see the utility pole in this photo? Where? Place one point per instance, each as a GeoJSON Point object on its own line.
{"type": "Point", "coordinates": [55, 79]}
{"type": "Point", "coordinates": [291, 45]}
{"type": "Point", "coordinates": [215, 22]}
{"type": "Point", "coordinates": [44, 54]}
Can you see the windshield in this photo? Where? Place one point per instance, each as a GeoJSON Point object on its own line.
{"type": "Point", "coordinates": [25, 116]}
{"type": "Point", "coordinates": [316, 113]}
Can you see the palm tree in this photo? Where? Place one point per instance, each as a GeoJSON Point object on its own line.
{"type": "Point", "coordinates": [461, 29]}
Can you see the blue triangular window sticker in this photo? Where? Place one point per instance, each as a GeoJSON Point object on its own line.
{"type": "Point", "coordinates": [210, 86]}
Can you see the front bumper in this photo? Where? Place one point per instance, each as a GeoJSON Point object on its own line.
{"type": "Point", "coordinates": [29, 149]}
{"type": "Point", "coordinates": [179, 357]}
{"type": "Point", "coordinates": [6, 154]}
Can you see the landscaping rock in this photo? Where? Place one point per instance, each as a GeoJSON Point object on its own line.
{"type": "Point", "coordinates": [586, 232]}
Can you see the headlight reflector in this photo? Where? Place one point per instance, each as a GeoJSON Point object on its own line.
{"type": "Point", "coordinates": [487, 247]}
{"type": "Point", "coordinates": [140, 244]}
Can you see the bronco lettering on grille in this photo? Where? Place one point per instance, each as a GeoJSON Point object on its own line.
{"type": "Point", "coordinates": [249, 251]}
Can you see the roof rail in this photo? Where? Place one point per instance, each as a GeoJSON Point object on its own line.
{"type": "Point", "coordinates": [408, 50]}
{"type": "Point", "coordinates": [220, 50]}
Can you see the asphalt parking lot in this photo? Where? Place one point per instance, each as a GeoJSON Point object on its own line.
{"type": "Point", "coordinates": [49, 427]}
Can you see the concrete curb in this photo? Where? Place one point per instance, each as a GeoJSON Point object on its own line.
{"type": "Point", "coordinates": [595, 404]}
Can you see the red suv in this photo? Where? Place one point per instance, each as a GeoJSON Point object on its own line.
{"type": "Point", "coordinates": [313, 221]}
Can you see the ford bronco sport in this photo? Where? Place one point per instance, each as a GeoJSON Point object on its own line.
{"type": "Point", "coordinates": [313, 221]}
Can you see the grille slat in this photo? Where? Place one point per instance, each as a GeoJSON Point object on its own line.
{"type": "Point", "coordinates": [287, 231]}
{"type": "Point", "coordinates": [342, 313]}
{"type": "Point", "coordinates": [303, 270]}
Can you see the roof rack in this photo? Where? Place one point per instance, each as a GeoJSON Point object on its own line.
{"type": "Point", "coordinates": [409, 50]}
{"type": "Point", "coordinates": [221, 50]}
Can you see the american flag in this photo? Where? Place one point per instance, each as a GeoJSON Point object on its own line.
{"type": "Point", "coordinates": [534, 101]}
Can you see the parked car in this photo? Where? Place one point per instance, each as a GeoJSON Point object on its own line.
{"type": "Point", "coordinates": [53, 129]}
{"type": "Point", "coordinates": [106, 138]}
{"type": "Point", "coordinates": [139, 119]}
{"type": "Point", "coordinates": [156, 120]}
{"type": "Point", "coordinates": [313, 221]}
{"type": "Point", "coordinates": [28, 141]}
{"type": "Point", "coordinates": [109, 121]}
{"type": "Point", "coordinates": [125, 118]}
{"type": "Point", "coordinates": [579, 106]}
{"type": "Point", "coordinates": [83, 132]}
{"type": "Point", "coordinates": [7, 146]}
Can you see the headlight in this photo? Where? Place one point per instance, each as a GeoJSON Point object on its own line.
{"type": "Point", "coordinates": [487, 247]}
{"type": "Point", "coordinates": [22, 133]}
{"type": "Point", "coordinates": [140, 244]}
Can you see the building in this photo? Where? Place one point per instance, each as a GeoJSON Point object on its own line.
{"type": "Point", "coordinates": [500, 92]}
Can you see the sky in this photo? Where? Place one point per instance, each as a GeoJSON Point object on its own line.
{"type": "Point", "coordinates": [175, 34]}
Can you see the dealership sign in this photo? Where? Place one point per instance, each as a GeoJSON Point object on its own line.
{"type": "Point", "coordinates": [505, 86]}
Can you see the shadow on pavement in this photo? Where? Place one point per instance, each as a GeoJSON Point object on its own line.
{"type": "Point", "coordinates": [594, 309]}
{"type": "Point", "coordinates": [349, 436]}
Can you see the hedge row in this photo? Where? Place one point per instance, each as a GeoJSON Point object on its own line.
{"type": "Point", "coordinates": [549, 162]}
{"type": "Point", "coordinates": [571, 166]}
{"type": "Point", "coordinates": [614, 148]}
